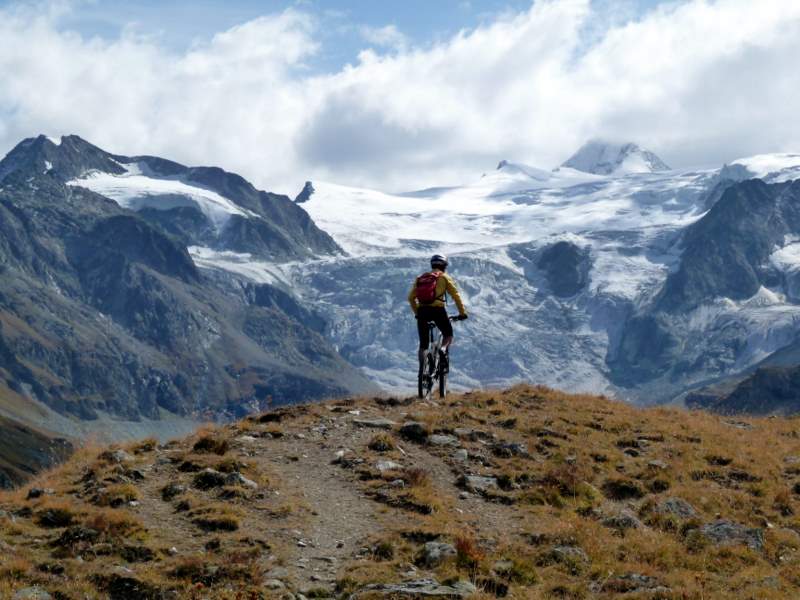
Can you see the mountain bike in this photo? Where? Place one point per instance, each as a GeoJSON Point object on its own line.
{"type": "Point", "coordinates": [432, 372]}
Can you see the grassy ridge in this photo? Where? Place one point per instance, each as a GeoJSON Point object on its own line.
{"type": "Point", "coordinates": [528, 492]}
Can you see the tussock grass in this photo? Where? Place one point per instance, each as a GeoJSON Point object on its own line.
{"type": "Point", "coordinates": [212, 444]}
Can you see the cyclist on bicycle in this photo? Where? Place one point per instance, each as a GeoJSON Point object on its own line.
{"type": "Point", "coordinates": [428, 297]}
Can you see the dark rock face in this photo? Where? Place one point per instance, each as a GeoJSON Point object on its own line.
{"type": "Point", "coordinates": [566, 267]}
{"type": "Point", "coordinates": [186, 224]}
{"type": "Point", "coordinates": [284, 231]}
{"type": "Point", "coordinates": [104, 313]}
{"type": "Point", "coordinates": [726, 251]}
{"type": "Point", "coordinates": [256, 237]}
{"type": "Point", "coordinates": [726, 255]}
{"type": "Point", "coordinates": [305, 194]}
{"type": "Point", "coordinates": [768, 390]}
{"type": "Point", "coordinates": [67, 160]}
{"type": "Point", "coordinates": [123, 240]}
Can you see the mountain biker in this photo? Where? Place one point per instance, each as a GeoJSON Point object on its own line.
{"type": "Point", "coordinates": [427, 298]}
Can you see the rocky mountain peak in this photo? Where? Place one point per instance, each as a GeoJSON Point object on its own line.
{"type": "Point", "coordinates": [71, 157]}
{"type": "Point", "coordinates": [605, 158]}
{"type": "Point", "coordinates": [305, 194]}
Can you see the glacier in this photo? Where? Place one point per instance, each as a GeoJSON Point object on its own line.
{"type": "Point", "coordinates": [494, 230]}
{"type": "Point", "coordinates": [138, 187]}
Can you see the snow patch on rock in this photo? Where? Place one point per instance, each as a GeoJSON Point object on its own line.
{"type": "Point", "coordinates": [140, 188]}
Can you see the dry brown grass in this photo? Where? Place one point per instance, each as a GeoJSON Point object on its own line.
{"type": "Point", "coordinates": [114, 523]}
{"type": "Point", "coordinates": [217, 516]}
{"type": "Point", "coordinates": [212, 444]}
{"type": "Point", "coordinates": [587, 458]}
{"type": "Point", "coordinates": [382, 442]}
{"type": "Point", "coordinates": [118, 494]}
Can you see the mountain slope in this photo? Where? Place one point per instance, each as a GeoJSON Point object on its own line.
{"type": "Point", "coordinates": [727, 303]}
{"type": "Point", "coordinates": [518, 493]}
{"type": "Point", "coordinates": [106, 322]}
{"type": "Point", "coordinates": [25, 451]}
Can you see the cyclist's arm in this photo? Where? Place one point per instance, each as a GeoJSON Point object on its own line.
{"type": "Point", "coordinates": [412, 297]}
{"type": "Point", "coordinates": [455, 295]}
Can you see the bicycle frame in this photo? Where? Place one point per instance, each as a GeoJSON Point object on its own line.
{"type": "Point", "coordinates": [430, 372]}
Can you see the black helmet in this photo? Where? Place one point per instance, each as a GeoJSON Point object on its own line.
{"type": "Point", "coordinates": [438, 262]}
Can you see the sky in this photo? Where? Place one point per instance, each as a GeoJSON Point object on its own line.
{"type": "Point", "coordinates": [401, 95]}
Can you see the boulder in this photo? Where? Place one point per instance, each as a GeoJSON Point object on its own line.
{"type": "Point", "coordinates": [724, 533]}
{"type": "Point", "coordinates": [434, 553]}
{"type": "Point", "coordinates": [479, 484]}
{"type": "Point", "coordinates": [32, 593]}
{"type": "Point", "coordinates": [274, 584]}
{"type": "Point", "coordinates": [387, 465]}
{"type": "Point", "coordinates": [209, 478]}
{"type": "Point", "coordinates": [380, 423]}
{"type": "Point", "coordinates": [631, 583]}
{"type": "Point", "coordinates": [509, 449]}
{"type": "Point", "coordinates": [240, 480]}
{"type": "Point", "coordinates": [118, 456]}
{"type": "Point", "coordinates": [625, 519]}
{"type": "Point", "coordinates": [677, 507]}
{"type": "Point", "coordinates": [414, 431]}
{"type": "Point", "coordinates": [75, 535]}
{"type": "Point", "coordinates": [169, 491]}
{"type": "Point", "coordinates": [565, 554]}
{"type": "Point", "coordinates": [443, 440]}
{"type": "Point", "coordinates": [419, 588]}
{"type": "Point", "coordinates": [38, 493]}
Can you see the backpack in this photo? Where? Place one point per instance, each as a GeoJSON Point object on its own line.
{"type": "Point", "coordinates": [426, 287]}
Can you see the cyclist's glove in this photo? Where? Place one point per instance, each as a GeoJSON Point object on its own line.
{"type": "Point", "coordinates": [462, 317]}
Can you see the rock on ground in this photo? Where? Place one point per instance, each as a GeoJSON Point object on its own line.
{"type": "Point", "coordinates": [722, 533]}
{"type": "Point", "coordinates": [434, 553]}
{"type": "Point", "coordinates": [32, 593]}
{"type": "Point", "coordinates": [677, 507]}
{"type": "Point", "coordinates": [420, 588]}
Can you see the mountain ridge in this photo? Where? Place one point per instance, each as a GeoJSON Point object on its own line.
{"type": "Point", "coordinates": [522, 492]}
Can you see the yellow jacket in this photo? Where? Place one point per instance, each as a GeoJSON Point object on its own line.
{"type": "Point", "coordinates": [445, 285]}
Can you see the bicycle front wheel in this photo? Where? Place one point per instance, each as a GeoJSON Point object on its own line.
{"type": "Point", "coordinates": [422, 377]}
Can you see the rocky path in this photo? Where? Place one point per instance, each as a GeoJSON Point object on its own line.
{"type": "Point", "coordinates": [339, 520]}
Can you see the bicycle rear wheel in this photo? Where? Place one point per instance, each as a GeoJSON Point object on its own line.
{"type": "Point", "coordinates": [423, 382]}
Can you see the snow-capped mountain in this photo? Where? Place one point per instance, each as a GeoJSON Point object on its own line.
{"type": "Point", "coordinates": [109, 324]}
{"type": "Point", "coordinates": [603, 158]}
{"type": "Point", "coordinates": [563, 271]}
{"type": "Point", "coordinates": [607, 274]}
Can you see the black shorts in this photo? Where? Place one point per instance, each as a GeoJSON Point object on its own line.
{"type": "Point", "coordinates": [437, 314]}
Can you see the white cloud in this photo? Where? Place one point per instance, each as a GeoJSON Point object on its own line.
{"type": "Point", "coordinates": [386, 37]}
{"type": "Point", "coordinates": [699, 82]}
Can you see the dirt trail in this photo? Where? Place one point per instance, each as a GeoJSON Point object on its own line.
{"type": "Point", "coordinates": [339, 520]}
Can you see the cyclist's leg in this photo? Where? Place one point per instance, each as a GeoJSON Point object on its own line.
{"type": "Point", "coordinates": [445, 326]}
{"type": "Point", "coordinates": [446, 341]}
{"type": "Point", "coordinates": [422, 330]}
